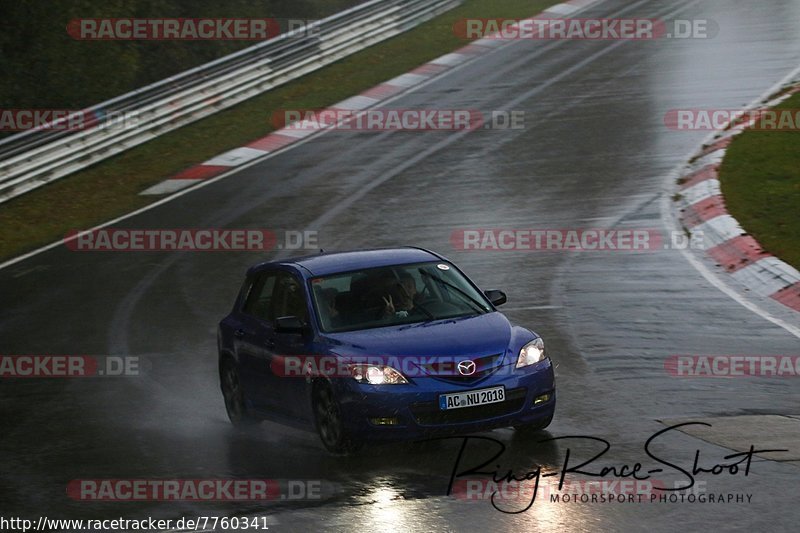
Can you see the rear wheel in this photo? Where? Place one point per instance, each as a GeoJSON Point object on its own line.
{"type": "Point", "coordinates": [234, 395]}
{"type": "Point", "coordinates": [328, 417]}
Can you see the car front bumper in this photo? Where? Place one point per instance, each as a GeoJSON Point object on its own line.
{"type": "Point", "coordinates": [402, 412]}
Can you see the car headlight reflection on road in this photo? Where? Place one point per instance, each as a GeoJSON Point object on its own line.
{"type": "Point", "coordinates": [531, 353]}
{"type": "Point", "coordinates": [377, 375]}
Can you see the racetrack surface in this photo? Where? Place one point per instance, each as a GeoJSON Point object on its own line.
{"type": "Point", "coordinates": [595, 153]}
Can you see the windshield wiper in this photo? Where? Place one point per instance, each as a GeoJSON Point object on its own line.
{"type": "Point", "coordinates": [469, 299]}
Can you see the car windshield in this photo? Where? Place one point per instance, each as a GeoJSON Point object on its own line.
{"type": "Point", "coordinates": [396, 295]}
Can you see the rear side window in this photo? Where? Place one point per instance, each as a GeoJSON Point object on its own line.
{"type": "Point", "coordinates": [259, 300]}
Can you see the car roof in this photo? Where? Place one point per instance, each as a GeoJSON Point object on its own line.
{"type": "Point", "coordinates": [325, 263]}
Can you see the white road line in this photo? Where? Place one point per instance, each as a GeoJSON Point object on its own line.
{"type": "Point", "coordinates": [169, 186]}
{"type": "Point", "coordinates": [562, 9]}
{"type": "Point", "coordinates": [356, 103]}
{"type": "Point", "coordinates": [300, 131]}
{"type": "Point", "coordinates": [406, 80]}
{"type": "Point", "coordinates": [235, 157]}
{"type": "Point", "coordinates": [450, 60]}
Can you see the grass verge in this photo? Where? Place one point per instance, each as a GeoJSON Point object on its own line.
{"type": "Point", "coordinates": [111, 188]}
{"type": "Point", "coordinates": [760, 179]}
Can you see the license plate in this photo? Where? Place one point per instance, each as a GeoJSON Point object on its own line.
{"type": "Point", "coordinates": [471, 398]}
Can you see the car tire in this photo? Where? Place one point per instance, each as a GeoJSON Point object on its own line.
{"type": "Point", "coordinates": [533, 428]}
{"type": "Point", "coordinates": [232, 393]}
{"type": "Point", "coordinates": [328, 419]}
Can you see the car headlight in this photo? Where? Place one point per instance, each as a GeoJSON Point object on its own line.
{"type": "Point", "coordinates": [531, 353]}
{"type": "Point", "coordinates": [377, 375]}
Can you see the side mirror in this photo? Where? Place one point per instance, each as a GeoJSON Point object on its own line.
{"type": "Point", "coordinates": [289, 324]}
{"type": "Point", "coordinates": [496, 297]}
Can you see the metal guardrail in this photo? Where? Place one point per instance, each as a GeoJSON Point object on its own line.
{"type": "Point", "coordinates": [36, 157]}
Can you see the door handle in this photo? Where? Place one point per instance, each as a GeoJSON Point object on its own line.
{"type": "Point", "coordinates": [239, 333]}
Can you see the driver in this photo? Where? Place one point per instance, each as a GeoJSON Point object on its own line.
{"type": "Point", "coordinates": [400, 301]}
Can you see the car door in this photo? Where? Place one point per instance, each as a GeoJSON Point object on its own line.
{"type": "Point", "coordinates": [252, 346]}
{"type": "Point", "coordinates": [290, 299]}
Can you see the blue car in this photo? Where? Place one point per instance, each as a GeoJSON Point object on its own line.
{"type": "Point", "coordinates": [379, 345]}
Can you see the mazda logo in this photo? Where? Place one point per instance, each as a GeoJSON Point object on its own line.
{"type": "Point", "coordinates": [466, 368]}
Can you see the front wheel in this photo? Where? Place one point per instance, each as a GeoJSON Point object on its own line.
{"type": "Point", "coordinates": [328, 417]}
{"type": "Point", "coordinates": [234, 395]}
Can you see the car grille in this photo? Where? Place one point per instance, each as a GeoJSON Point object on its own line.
{"type": "Point", "coordinates": [446, 371]}
{"type": "Point", "coordinates": [429, 413]}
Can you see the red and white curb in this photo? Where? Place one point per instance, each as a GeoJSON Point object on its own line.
{"type": "Point", "coordinates": [283, 138]}
{"type": "Point", "coordinates": [703, 212]}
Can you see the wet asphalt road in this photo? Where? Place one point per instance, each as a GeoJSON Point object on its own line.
{"type": "Point", "coordinates": [594, 154]}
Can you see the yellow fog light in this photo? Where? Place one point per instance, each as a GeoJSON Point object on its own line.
{"type": "Point", "coordinates": [541, 399]}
